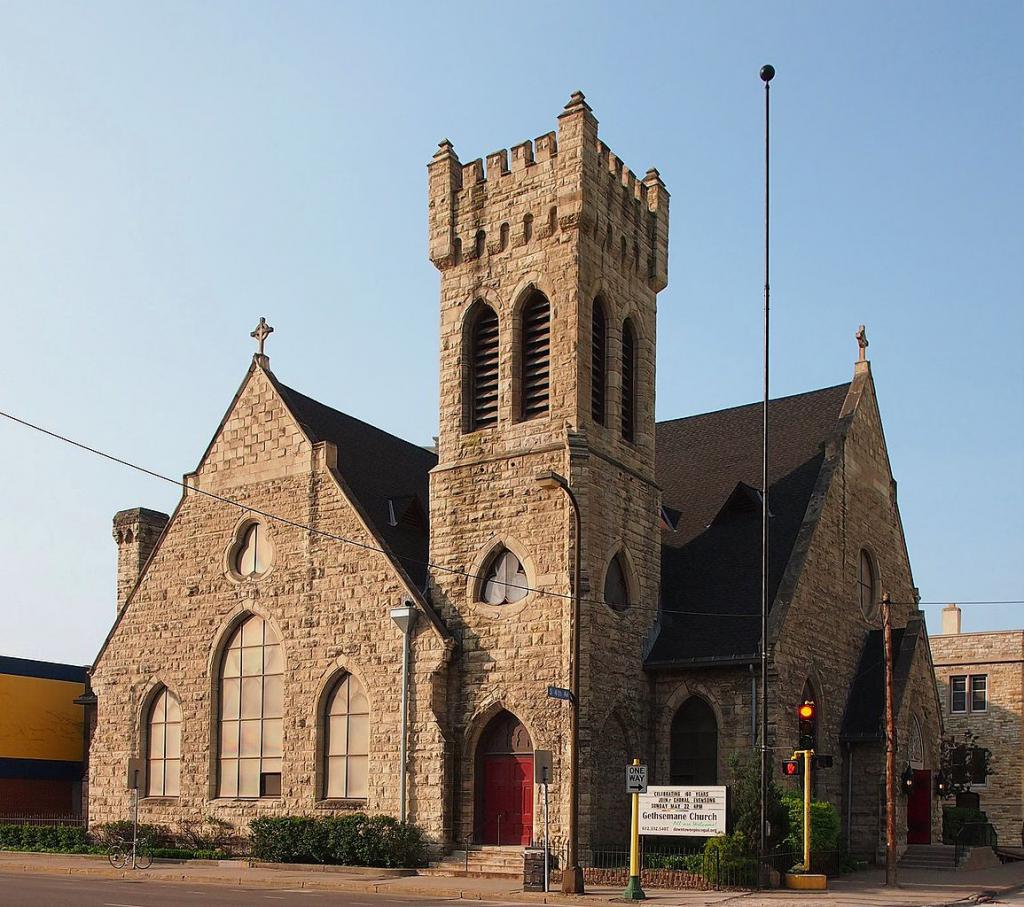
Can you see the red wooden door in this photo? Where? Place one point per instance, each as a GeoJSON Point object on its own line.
{"type": "Point", "coordinates": [919, 809]}
{"type": "Point", "coordinates": [508, 800]}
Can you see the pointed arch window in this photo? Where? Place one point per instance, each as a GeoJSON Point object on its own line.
{"type": "Point", "coordinates": [867, 591]}
{"type": "Point", "coordinates": [598, 362]}
{"type": "Point", "coordinates": [251, 712]}
{"type": "Point", "coordinates": [535, 358]}
{"type": "Point", "coordinates": [693, 749]}
{"type": "Point", "coordinates": [616, 585]}
{"type": "Point", "coordinates": [628, 381]}
{"type": "Point", "coordinates": [505, 581]}
{"type": "Point", "coordinates": [163, 746]}
{"type": "Point", "coordinates": [347, 740]}
{"type": "Point", "coordinates": [482, 389]}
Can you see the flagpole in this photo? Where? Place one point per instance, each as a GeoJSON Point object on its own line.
{"type": "Point", "coordinates": [767, 74]}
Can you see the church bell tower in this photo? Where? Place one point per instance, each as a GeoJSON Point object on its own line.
{"type": "Point", "coordinates": [551, 257]}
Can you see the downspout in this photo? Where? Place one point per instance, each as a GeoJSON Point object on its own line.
{"type": "Point", "coordinates": [753, 706]}
{"type": "Point", "coordinates": [849, 795]}
{"type": "Point", "coordinates": [404, 618]}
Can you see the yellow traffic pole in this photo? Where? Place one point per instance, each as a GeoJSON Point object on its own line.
{"type": "Point", "coordinates": [807, 809]}
{"type": "Point", "coordinates": [633, 890]}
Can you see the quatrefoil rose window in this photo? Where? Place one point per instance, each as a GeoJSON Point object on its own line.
{"type": "Point", "coordinates": [505, 581]}
{"type": "Point", "coordinates": [253, 552]}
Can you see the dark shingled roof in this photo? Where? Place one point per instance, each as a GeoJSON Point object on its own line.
{"type": "Point", "coordinates": [388, 476]}
{"type": "Point", "coordinates": [864, 717]}
{"type": "Point", "coordinates": [709, 469]}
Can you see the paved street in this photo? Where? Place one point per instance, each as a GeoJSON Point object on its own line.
{"type": "Point", "coordinates": [17, 890]}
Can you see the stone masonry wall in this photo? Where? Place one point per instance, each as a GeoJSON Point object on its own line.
{"type": "Point", "coordinates": [557, 220]}
{"type": "Point", "coordinates": [328, 602]}
{"type": "Point", "coordinates": [999, 656]}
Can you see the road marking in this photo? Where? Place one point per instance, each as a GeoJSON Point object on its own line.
{"type": "Point", "coordinates": [121, 905]}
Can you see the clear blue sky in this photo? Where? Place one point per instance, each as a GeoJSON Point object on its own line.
{"type": "Point", "coordinates": [170, 172]}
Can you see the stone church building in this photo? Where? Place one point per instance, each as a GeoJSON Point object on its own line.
{"type": "Point", "coordinates": [255, 665]}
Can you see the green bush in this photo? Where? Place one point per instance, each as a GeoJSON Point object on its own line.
{"type": "Point", "coordinates": [353, 840]}
{"type": "Point", "coordinates": [824, 826]}
{"type": "Point", "coordinates": [112, 833]}
{"type": "Point", "coordinates": [956, 817]}
{"type": "Point", "coordinates": [52, 838]}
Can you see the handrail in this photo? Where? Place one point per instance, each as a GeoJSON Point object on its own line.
{"type": "Point", "coordinates": [989, 835]}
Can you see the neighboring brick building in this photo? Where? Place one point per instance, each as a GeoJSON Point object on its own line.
{"type": "Point", "coordinates": [253, 662]}
{"type": "Point", "coordinates": [980, 678]}
{"type": "Point", "coordinates": [42, 740]}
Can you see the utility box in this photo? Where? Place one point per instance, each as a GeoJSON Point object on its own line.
{"type": "Point", "coordinates": [533, 869]}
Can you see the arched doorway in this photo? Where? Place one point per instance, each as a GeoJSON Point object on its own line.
{"type": "Point", "coordinates": [504, 786]}
{"type": "Point", "coordinates": [693, 754]}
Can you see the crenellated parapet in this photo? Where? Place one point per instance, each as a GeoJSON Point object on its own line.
{"type": "Point", "coordinates": [562, 182]}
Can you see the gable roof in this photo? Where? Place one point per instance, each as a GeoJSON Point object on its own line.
{"type": "Point", "coordinates": [864, 717]}
{"type": "Point", "coordinates": [711, 564]}
{"type": "Point", "coordinates": [386, 475]}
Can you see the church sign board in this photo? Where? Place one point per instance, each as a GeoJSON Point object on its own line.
{"type": "Point", "coordinates": [691, 811]}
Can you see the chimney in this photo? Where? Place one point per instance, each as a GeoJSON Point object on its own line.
{"type": "Point", "coordinates": [950, 620]}
{"type": "Point", "coordinates": [136, 532]}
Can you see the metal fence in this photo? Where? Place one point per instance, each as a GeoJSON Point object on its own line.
{"type": "Point", "coordinates": [43, 819]}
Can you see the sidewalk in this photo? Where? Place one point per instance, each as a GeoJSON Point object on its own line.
{"type": "Point", "coordinates": [916, 888]}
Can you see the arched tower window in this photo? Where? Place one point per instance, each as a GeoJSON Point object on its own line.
{"type": "Point", "coordinates": [251, 710]}
{"type": "Point", "coordinates": [867, 588]}
{"type": "Point", "coordinates": [693, 752]}
{"type": "Point", "coordinates": [163, 746]}
{"type": "Point", "coordinates": [504, 580]}
{"type": "Point", "coordinates": [535, 356]}
{"type": "Point", "coordinates": [598, 362]}
{"type": "Point", "coordinates": [482, 389]}
{"type": "Point", "coordinates": [628, 381]}
{"type": "Point", "coordinates": [616, 584]}
{"type": "Point", "coordinates": [346, 740]}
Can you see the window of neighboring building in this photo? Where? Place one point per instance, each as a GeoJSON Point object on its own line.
{"type": "Point", "coordinates": [867, 587]}
{"type": "Point", "coordinates": [616, 586]}
{"type": "Point", "coordinates": [979, 692]}
{"type": "Point", "coordinates": [957, 695]}
{"type": "Point", "coordinates": [535, 357]}
{"type": "Point", "coordinates": [505, 581]}
{"type": "Point", "coordinates": [347, 741]}
{"type": "Point", "coordinates": [251, 710]}
{"type": "Point", "coordinates": [163, 745]}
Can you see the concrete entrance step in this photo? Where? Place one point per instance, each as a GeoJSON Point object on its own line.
{"type": "Point", "coordinates": [480, 862]}
{"type": "Point", "coordinates": [928, 856]}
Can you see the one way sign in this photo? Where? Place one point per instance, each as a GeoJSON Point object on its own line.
{"type": "Point", "coordinates": [636, 779]}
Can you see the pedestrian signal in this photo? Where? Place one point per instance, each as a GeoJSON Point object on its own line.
{"type": "Point", "coordinates": [793, 768]}
{"type": "Point", "coordinates": [808, 716]}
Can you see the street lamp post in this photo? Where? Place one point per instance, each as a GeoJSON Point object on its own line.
{"type": "Point", "coordinates": [572, 874]}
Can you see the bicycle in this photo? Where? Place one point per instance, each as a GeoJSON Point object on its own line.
{"type": "Point", "coordinates": [123, 855]}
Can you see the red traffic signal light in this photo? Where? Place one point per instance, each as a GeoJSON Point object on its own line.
{"type": "Point", "coordinates": [808, 719]}
{"type": "Point", "coordinates": [793, 768]}
{"type": "Point", "coordinates": [806, 711]}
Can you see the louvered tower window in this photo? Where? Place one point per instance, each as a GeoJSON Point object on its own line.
{"type": "Point", "coordinates": [598, 363]}
{"type": "Point", "coordinates": [536, 356]}
{"type": "Point", "coordinates": [483, 389]}
{"type": "Point", "coordinates": [628, 381]}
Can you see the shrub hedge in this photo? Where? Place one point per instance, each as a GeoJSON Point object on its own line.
{"type": "Point", "coordinates": [956, 817]}
{"type": "Point", "coordinates": [353, 840]}
{"type": "Point", "coordinates": [51, 838]}
{"type": "Point", "coordinates": [824, 826]}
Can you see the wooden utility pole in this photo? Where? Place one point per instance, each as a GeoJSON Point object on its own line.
{"type": "Point", "coordinates": [890, 748]}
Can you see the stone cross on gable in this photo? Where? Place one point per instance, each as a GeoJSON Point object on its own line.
{"type": "Point", "coordinates": [261, 333]}
{"type": "Point", "coordinates": [862, 342]}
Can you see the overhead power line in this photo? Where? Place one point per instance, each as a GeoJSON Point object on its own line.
{"type": "Point", "coordinates": [456, 571]}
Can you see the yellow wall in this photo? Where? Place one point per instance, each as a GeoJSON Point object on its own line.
{"type": "Point", "coordinates": [39, 718]}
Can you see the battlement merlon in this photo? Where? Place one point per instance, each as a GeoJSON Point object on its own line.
{"type": "Point", "coordinates": [570, 174]}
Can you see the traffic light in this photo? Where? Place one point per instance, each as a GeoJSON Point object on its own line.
{"type": "Point", "coordinates": [808, 716]}
{"type": "Point", "coordinates": [822, 761]}
{"type": "Point", "coordinates": [793, 768]}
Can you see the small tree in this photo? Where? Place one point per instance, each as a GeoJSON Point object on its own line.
{"type": "Point", "coordinates": [963, 760]}
{"type": "Point", "coordinates": [745, 768]}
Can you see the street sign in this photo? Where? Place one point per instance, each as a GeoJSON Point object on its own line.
{"type": "Point", "coordinates": [560, 693]}
{"type": "Point", "coordinates": [542, 766]}
{"type": "Point", "coordinates": [636, 779]}
{"type": "Point", "coordinates": [135, 770]}
{"type": "Point", "coordinates": [691, 811]}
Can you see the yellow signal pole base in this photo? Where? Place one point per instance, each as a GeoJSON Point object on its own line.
{"type": "Point", "coordinates": [806, 881]}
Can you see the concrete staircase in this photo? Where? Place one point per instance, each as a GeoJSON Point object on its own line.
{"type": "Point", "coordinates": [928, 856]}
{"type": "Point", "coordinates": [488, 862]}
